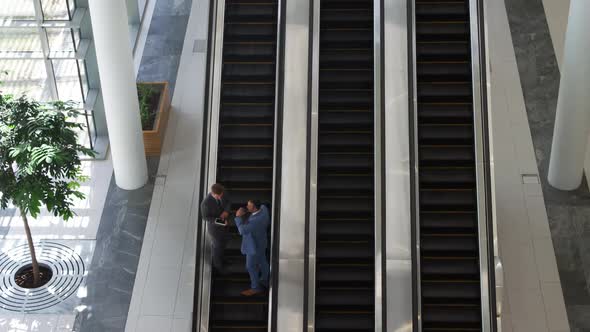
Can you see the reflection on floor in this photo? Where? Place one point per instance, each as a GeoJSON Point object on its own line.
{"type": "Point", "coordinates": [118, 245]}
{"type": "Point", "coordinates": [161, 55]}
{"type": "Point", "coordinates": [568, 212]}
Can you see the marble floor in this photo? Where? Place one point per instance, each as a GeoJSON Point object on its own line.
{"type": "Point", "coordinates": [568, 212]}
{"type": "Point", "coordinates": [114, 264]}
{"type": "Point", "coordinates": [163, 46]}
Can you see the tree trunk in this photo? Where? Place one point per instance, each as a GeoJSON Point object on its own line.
{"type": "Point", "coordinates": [36, 272]}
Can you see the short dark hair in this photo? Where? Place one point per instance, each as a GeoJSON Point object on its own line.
{"type": "Point", "coordinates": [217, 189]}
{"type": "Point", "coordinates": [256, 203]}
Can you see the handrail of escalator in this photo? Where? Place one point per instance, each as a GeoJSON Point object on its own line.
{"type": "Point", "coordinates": [414, 172]}
{"type": "Point", "coordinates": [276, 182]}
{"type": "Point", "coordinates": [208, 163]}
{"type": "Point", "coordinates": [495, 270]}
{"type": "Point", "coordinates": [483, 169]}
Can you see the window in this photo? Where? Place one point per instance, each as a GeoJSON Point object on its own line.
{"type": "Point", "coordinates": [43, 60]}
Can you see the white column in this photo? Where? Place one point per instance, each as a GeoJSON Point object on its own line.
{"type": "Point", "coordinates": [119, 92]}
{"type": "Point", "coordinates": [572, 122]}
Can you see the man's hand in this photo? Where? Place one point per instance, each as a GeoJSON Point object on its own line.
{"type": "Point", "coordinates": [240, 212]}
{"type": "Point", "coordinates": [224, 215]}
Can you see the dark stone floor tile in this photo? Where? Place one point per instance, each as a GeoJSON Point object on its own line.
{"type": "Point", "coordinates": [579, 317]}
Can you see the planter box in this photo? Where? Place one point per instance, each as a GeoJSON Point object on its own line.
{"type": "Point", "coordinates": [153, 139]}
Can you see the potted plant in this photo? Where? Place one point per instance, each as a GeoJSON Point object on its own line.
{"type": "Point", "coordinates": [39, 167]}
{"type": "Point", "coordinates": [154, 108]}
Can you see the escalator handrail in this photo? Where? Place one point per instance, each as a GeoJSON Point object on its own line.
{"type": "Point", "coordinates": [313, 166]}
{"type": "Point", "coordinates": [379, 166]}
{"type": "Point", "coordinates": [209, 163]}
{"type": "Point", "coordinates": [414, 171]}
{"type": "Point", "coordinates": [277, 160]}
{"type": "Point", "coordinates": [483, 153]}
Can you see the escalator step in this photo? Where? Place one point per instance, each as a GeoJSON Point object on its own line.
{"type": "Point", "coordinates": [355, 183]}
{"type": "Point", "coordinates": [448, 245]}
{"type": "Point", "coordinates": [351, 120]}
{"type": "Point", "coordinates": [442, 11]}
{"type": "Point", "coordinates": [445, 133]}
{"type": "Point", "coordinates": [243, 113]}
{"type": "Point", "coordinates": [441, 113]}
{"type": "Point", "coordinates": [452, 317]}
{"type": "Point", "coordinates": [249, 176]}
{"type": "Point", "coordinates": [343, 58]}
{"type": "Point", "coordinates": [443, 71]}
{"type": "Point", "coordinates": [437, 268]}
{"type": "Point", "coordinates": [440, 177]}
{"type": "Point", "coordinates": [346, 18]}
{"type": "Point", "coordinates": [247, 134]}
{"type": "Point", "coordinates": [258, 155]}
{"type": "Point", "coordinates": [339, 162]}
{"type": "Point", "coordinates": [443, 51]}
{"type": "Point", "coordinates": [346, 38]}
{"type": "Point", "coordinates": [454, 199]}
{"type": "Point", "coordinates": [331, 275]}
{"type": "Point", "coordinates": [361, 228]}
{"type": "Point", "coordinates": [343, 298]}
{"type": "Point", "coordinates": [444, 91]}
{"type": "Point", "coordinates": [223, 326]}
{"type": "Point", "coordinates": [354, 321]}
{"type": "Point", "coordinates": [436, 155]}
{"type": "Point", "coordinates": [447, 292]}
{"type": "Point", "coordinates": [438, 30]}
{"type": "Point", "coordinates": [448, 222]}
{"type": "Point", "coordinates": [342, 206]}
{"type": "Point", "coordinates": [343, 250]}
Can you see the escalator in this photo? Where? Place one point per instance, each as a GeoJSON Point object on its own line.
{"type": "Point", "coordinates": [344, 289]}
{"type": "Point", "coordinates": [246, 148]}
{"type": "Point", "coordinates": [448, 208]}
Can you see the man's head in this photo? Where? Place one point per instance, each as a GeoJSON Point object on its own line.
{"type": "Point", "coordinates": [253, 205]}
{"type": "Point", "coordinates": [217, 191]}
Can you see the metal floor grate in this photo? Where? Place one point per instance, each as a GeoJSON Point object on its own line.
{"type": "Point", "coordinates": [68, 270]}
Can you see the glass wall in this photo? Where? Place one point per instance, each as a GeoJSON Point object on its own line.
{"type": "Point", "coordinates": [43, 55]}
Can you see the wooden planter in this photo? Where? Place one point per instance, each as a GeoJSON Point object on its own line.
{"type": "Point", "coordinates": [153, 139]}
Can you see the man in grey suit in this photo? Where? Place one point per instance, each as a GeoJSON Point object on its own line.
{"type": "Point", "coordinates": [216, 206]}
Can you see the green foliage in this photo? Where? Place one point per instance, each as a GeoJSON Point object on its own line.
{"type": "Point", "coordinates": [39, 156]}
{"type": "Point", "coordinates": [145, 93]}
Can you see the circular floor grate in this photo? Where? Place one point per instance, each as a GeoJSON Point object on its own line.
{"type": "Point", "coordinates": [68, 273]}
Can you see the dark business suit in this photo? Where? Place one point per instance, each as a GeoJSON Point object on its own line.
{"type": "Point", "coordinates": [211, 208]}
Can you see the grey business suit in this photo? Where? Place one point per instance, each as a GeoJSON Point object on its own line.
{"type": "Point", "coordinates": [211, 209]}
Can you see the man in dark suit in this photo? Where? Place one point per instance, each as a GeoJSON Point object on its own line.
{"type": "Point", "coordinates": [254, 244]}
{"type": "Point", "coordinates": [216, 206]}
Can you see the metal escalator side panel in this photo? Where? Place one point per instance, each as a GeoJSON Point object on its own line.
{"type": "Point", "coordinates": [379, 171]}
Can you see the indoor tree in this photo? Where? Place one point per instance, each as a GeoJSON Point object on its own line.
{"type": "Point", "coordinates": [40, 162]}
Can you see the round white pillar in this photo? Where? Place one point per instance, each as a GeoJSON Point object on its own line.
{"type": "Point", "coordinates": [572, 121]}
{"type": "Point", "coordinates": [119, 91]}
